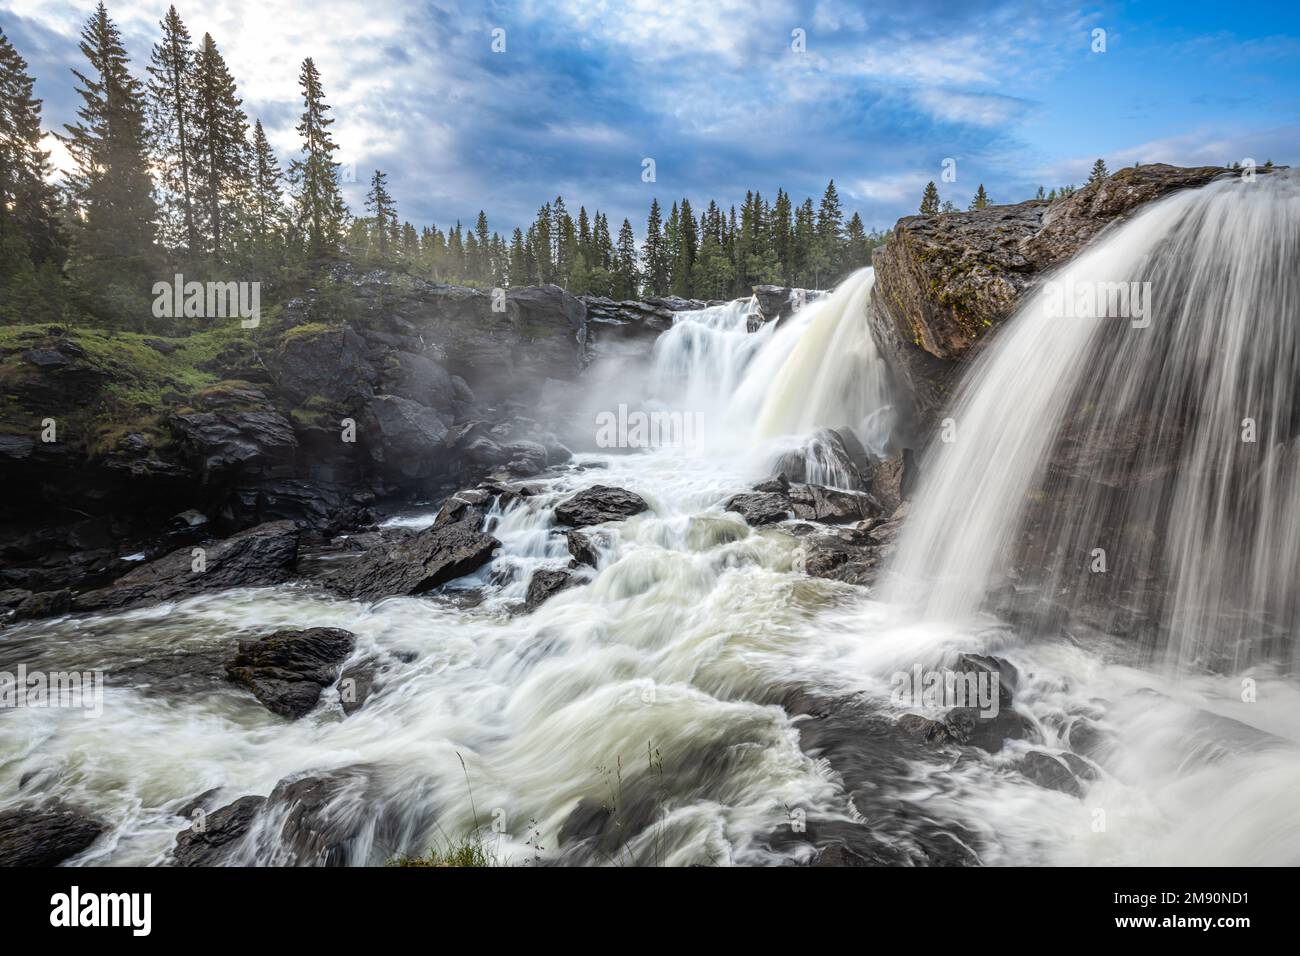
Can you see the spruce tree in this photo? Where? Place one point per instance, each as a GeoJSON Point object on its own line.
{"type": "Point", "coordinates": [384, 210]}
{"type": "Point", "coordinates": [320, 209]}
{"type": "Point", "coordinates": [32, 246]}
{"type": "Point", "coordinates": [684, 264]}
{"type": "Point", "coordinates": [268, 198]}
{"type": "Point", "coordinates": [1099, 173]}
{"type": "Point", "coordinates": [110, 188]}
{"type": "Point", "coordinates": [627, 277]}
{"type": "Point", "coordinates": [223, 164]}
{"type": "Point", "coordinates": [981, 199]}
{"type": "Point", "coordinates": [654, 254]}
{"type": "Point", "coordinates": [830, 234]}
{"type": "Point", "coordinates": [171, 115]}
{"type": "Point", "coordinates": [930, 200]}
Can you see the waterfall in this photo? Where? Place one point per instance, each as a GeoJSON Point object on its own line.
{"type": "Point", "coordinates": [819, 368]}
{"type": "Point", "coordinates": [1137, 462]}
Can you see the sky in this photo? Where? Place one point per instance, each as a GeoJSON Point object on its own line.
{"type": "Point", "coordinates": [503, 106]}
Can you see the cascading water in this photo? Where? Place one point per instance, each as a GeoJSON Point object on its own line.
{"type": "Point", "coordinates": [1140, 468]}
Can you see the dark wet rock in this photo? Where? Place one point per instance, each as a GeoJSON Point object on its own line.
{"type": "Point", "coordinates": [630, 320]}
{"type": "Point", "coordinates": [598, 504]}
{"type": "Point", "coordinates": [44, 604]}
{"type": "Point", "coordinates": [235, 432]}
{"type": "Point", "coordinates": [895, 479]}
{"type": "Point", "coordinates": [931, 731]}
{"type": "Point", "coordinates": [586, 547]}
{"type": "Point", "coordinates": [45, 835]}
{"type": "Point", "coordinates": [416, 563]}
{"type": "Point", "coordinates": [1050, 772]}
{"type": "Point", "coordinates": [404, 439]}
{"type": "Point", "coordinates": [761, 507]}
{"type": "Point", "coordinates": [356, 684]}
{"type": "Point", "coordinates": [257, 557]}
{"type": "Point", "coordinates": [215, 838]}
{"type": "Point", "coordinates": [420, 379]}
{"type": "Point", "coordinates": [851, 556]}
{"type": "Point", "coordinates": [469, 507]}
{"type": "Point", "coordinates": [833, 454]}
{"type": "Point", "coordinates": [1085, 737]}
{"type": "Point", "coordinates": [546, 583]}
{"type": "Point", "coordinates": [777, 499]}
{"type": "Point", "coordinates": [287, 670]}
{"type": "Point", "coordinates": [1003, 672]}
{"type": "Point", "coordinates": [970, 727]}
{"type": "Point", "coordinates": [775, 303]}
{"type": "Point", "coordinates": [874, 756]}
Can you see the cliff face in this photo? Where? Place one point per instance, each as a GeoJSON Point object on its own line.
{"type": "Point", "coordinates": [945, 282]}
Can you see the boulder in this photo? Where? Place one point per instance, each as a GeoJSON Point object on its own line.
{"type": "Point", "coordinates": [235, 432]}
{"type": "Point", "coordinates": [544, 584]}
{"type": "Point", "coordinates": [416, 563]}
{"type": "Point", "coordinates": [598, 504]}
{"type": "Point", "coordinates": [777, 499]}
{"type": "Point", "coordinates": [216, 840]}
{"type": "Point", "coordinates": [260, 556]}
{"type": "Point", "coordinates": [329, 362]}
{"type": "Point", "coordinates": [761, 507]}
{"type": "Point", "coordinates": [287, 670]}
{"type": "Point", "coordinates": [586, 547]}
{"type": "Point", "coordinates": [404, 439]}
{"type": "Point", "coordinates": [966, 725]}
{"type": "Point", "coordinates": [45, 835]}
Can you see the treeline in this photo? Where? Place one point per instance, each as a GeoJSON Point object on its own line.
{"type": "Point", "coordinates": [172, 175]}
{"type": "Point", "coordinates": [715, 256]}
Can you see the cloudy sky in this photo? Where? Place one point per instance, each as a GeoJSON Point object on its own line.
{"type": "Point", "coordinates": [728, 95]}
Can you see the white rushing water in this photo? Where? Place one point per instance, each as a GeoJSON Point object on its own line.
{"type": "Point", "coordinates": [655, 685]}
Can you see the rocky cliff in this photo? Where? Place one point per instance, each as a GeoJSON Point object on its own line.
{"type": "Point", "coordinates": [944, 282]}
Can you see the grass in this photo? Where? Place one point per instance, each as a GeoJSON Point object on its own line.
{"type": "Point", "coordinates": [468, 851]}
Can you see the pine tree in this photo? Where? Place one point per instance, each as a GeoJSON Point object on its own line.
{"type": "Point", "coordinates": [981, 199]}
{"type": "Point", "coordinates": [482, 269]}
{"type": "Point", "coordinates": [222, 163]}
{"type": "Point", "coordinates": [930, 200]}
{"type": "Point", "coordinates": [171, 115]}
{"type": "Point", "coordinates": [1099, 173]}
{"type": "Point", "coordinates": [384, 210]}
{"type": "Point", "coordinates": [320, 211]}
{"type": "Point", "coordinates": [110, 188]}
{"type": "Point", "coordinates": [830, 234]}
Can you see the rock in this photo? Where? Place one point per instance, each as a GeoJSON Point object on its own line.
{"type": "Point", "coordinates": [420, 379]}
{"type": "Point", "coordinates": [775, 303]}
{"type": "Point", "coordinates": [895, 479]}
{"type": "Point", "coordinates": [257, 557]}
{"type": "Point", "coordinates": [287, 670]}
{"type": "Point", "coordinates": [586, 548]}
{"type": "Point", "coordinates": [931, 731]}
{"type": "Point", "coordinates": [45, 835]}
{"type": "Point", "coordinates": [217, 841]}
{"type": "Point", "coordinates": [415, 564]}
{"type": "Point", "coordinates": [404, 439]}
{"type": "Point", "coordinates": [832, 506]}
{"type": "Point", "coordinates": [1050, 772]}
{"type": "Point", "coordinates": [598, 504]}
{"type": "Point", "coordinates": [546, 583]}
{"type": "Point", "coordinates": [761, 507]}
{"type": "Point", "coordinates": [323, 362]}
{"type": "Point", "coordinates": [356, 684]}
{"type": "Point", "coordinates": [777, 499]}
{"type": "Point", "coordinates": [966, 725]}
{"type": "Point", "coordinates": [854, 557]}
{"type": "Point", "coordinates": [236, 432]}
{"type": "Point", "coordinates": [44, 604]}
{"type": "Point", "coordinates": [1001, 671]}
{"type": "Point", "coordinates": [832, 457]}
{"type": "Point", "coordinates": [943, 282]}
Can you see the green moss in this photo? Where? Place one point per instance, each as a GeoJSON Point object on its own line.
{"type": "Point", "coordinates": [306, 331]}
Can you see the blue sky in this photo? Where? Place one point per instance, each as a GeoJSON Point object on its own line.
{"type": "Point", "coordinates": [715, 92]}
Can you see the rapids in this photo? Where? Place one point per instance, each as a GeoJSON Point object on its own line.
{"type": "Point", "coordinates": [655, 685]}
